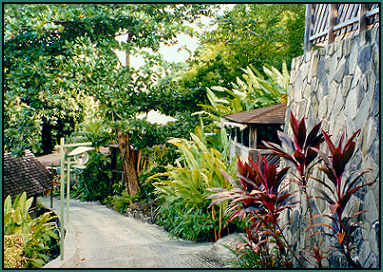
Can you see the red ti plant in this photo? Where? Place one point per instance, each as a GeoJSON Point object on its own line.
{"type": "Point", "coordinates": [340, 190]}
{"type": "Point", "coordinates": [301, 151]}
{"type": "Point", "coordinates": [258, 195]}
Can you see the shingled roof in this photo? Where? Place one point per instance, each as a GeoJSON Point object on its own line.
{"type": "Point", "coordinates": [267, 115]}
{"type": "Point", "coordinates": [25, 174]}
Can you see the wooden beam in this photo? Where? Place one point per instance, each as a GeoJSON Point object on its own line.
{"type": "Point", "coordinates": [331, 23]}
{"type": "Point", "coordinates": [362, 17]}
{"type": "Point", "coordinates": [253, 137]}
{"type": "Point", "coordinates": [307, 46]}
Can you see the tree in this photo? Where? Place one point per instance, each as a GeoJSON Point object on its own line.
{"type": "Point", "coordinates": [260, 34]}
{"type": "Point", "coordinates": [249, 34]}
{"type": "Point", "coordinates": [57, 54]}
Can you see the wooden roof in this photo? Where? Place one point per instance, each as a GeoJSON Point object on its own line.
{"type": "Point", "coordinates": [267, 115]}
{"type": "Point", "coordinates": [25, 174]}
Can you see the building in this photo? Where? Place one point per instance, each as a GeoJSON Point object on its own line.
{"type": "Point", "coordinates": [248, 130]}
{"type": "Point", "coordinates": [25, 174]}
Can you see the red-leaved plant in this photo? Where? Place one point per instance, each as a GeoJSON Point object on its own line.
{"type": "Point", "coordinates": [259, 196]}
{"type": "Point", "coordinates": [301, 151]}
{"type": "Point", "coordinates": [339, 192]}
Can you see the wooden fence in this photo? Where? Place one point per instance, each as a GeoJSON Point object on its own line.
{"type": "Point", "coordinates": [325, 22]}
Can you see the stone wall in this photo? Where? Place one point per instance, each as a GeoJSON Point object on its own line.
{"type": "Point", "coordinates": [339, 84]}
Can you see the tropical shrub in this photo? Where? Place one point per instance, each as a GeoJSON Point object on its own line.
{"type": "Point", "coordinates": [121, 202]}
{"type": "Point", "coordinates": [338, 195]}
{"type": "Point", "coordinates": [95, 181]}
{"type": "Point", "coordinates": [36, 233]}
{"type": "Point", "coordinates": [183, 205]}
{"type": "Point", "coordinates": [259, 197]}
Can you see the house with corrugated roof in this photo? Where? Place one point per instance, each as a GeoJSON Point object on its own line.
{"type": "Point", "coordinates": [25, 174]}
{"type": "Point", "coordinates": [248, 129]}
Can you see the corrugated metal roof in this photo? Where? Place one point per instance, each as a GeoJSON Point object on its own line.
{"type": "Point", "coordinates": [267, 115]}
{"type": "Point", "coordinates": [25, 174]}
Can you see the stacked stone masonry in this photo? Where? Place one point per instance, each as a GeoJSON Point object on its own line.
{"type": "Point", "coordinates": [339, 84]}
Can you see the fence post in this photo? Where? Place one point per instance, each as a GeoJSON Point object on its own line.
{"type": "Point", "coordinates": [333, 10]}
{"type": "Point", "coordinates": [308, 19]}
{"type": "Point", "coordinates": [362, 17]}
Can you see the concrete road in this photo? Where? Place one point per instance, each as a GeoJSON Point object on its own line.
{"type": "Point", "coordinates": [106, 239]}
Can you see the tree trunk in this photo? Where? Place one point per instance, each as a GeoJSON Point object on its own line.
{"type": "Point", "coordinates": [46, 137]}
{"type": "Point", "coordinates": [130, 173]}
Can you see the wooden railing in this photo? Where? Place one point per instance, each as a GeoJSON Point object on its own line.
{"type": "Point", "coordinates": [325, 22]}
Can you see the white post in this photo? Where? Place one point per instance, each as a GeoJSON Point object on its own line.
{"type": "Point", "coordinates": [68, 190]}
{"type": "Point", "coordinates": [62, 198]}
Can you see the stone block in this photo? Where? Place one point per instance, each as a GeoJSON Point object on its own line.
{"type": "Point", "coordinates": [346, 84]}
{"type": "Point", "coordinates": [369, 204]}
{"type": "Point", "coordinates": [337, 106]}
{"type": "Point", "coordinates": [370, 80]}
{"type": "Point", "coordinates": [364, 58]}
{"type": "Point", "coordinates": [322, 73]}
{"type": "Point", "coordinates": [356, 78]}
{"type": "Point", "coordinates": [369, 163]}
{"type": "Point", "coordinates": [314, 107]}
{"type": "Point", "coordinates": [340, 70]}
{"type": "Point", "coordinates": [375, 102]}
{"type": "Point", "coordinates": [364, 252]}
{"type": "Point", "coordinates": [353, 58]}
{"type": "Point", "coordinates": [337, 122]}
{"type": "Point", "coordinates": [351, 105]}
{"type": "Point", "coordinates": [333, 92]}
{"type": "Point", "coordinates": [347, 47]}
{"type": "Point", "coordinates": [369, 135]}
{"type": "Point", "coordinates": [362, 113]}
{"type": "Point", "coordinates": [374, 149]}
{"type": "Point", "coordinates": [364, 83]}
{"type": "Point", "coordinates": [330, 49]}
{"type": "Point", "coordinates": [323, 105]}
{"type": "Point", "coordinates": [313, 68]}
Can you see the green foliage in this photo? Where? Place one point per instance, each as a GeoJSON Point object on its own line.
{"type": "Point", "coordinates": [121, 202]}
{"type": "Point", "coordinates": [95, 181]}
{"type": "Point", "coordinates": [94, 131]}
{"type": "Point", "coordinates": [36, 232]}
{"type": "Point", "coordinates": [183, 195]}
{"type": "Point", "coordinates": [251, 91]}
{"type": "Point", "coordinates": [56, 56]}
{"type": "Point", "coordinates": [259, 34]}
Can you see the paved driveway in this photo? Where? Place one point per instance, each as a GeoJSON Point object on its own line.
{"type": "Point", "coordinates": [106, 239]}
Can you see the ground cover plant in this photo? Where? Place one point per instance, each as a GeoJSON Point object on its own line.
{"type": "Point", "coordinates": [260, 195]}
{"type": "Point", "coordinates": [28, 241]}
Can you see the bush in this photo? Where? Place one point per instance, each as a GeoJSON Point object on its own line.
{"type": "Point", "coordinates": [120, 202]}
{"type": "Point", "coordinates": [95, 181]}
{"type": "Point", "coordinates": [182, 196]}
{"type": "Point", "coordinates": [13, 251]}
{"type": "Point", "coordinates": [37, 233]}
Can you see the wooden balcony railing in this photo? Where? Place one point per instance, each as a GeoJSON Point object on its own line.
{"type": "Point", "coordinates": [325, 22]}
